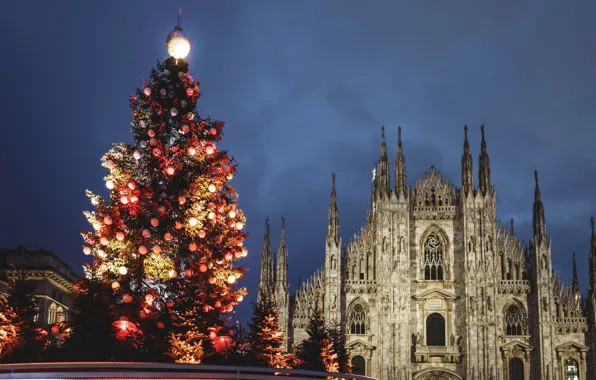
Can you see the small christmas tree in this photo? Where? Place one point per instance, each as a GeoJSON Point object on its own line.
{"type": "Point", "coordinates": [167, 237]}
{"type": "Point", "coordinates": [266, 336]}
{"type": "Point", "coordinates": [338, 338]}
{"type": "Point", "coordinates": [317, 351]}
{"type": "Point", "coordinates": [92, 322]}
{"type": "Point", "coordinates": [22, 311]}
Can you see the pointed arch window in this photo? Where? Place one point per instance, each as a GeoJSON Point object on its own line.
{"type": "Point", "coordinates": [515, 320]}
{"type": "Point", "coordinates": [433, 258]}
{"type": "Point", "coordinates": [357, 319]}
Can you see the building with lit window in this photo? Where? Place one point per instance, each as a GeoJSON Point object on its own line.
{"type": "Point", "coordinates": [52, 281]}
{"type": "Point", "coordinates": [434, 286]}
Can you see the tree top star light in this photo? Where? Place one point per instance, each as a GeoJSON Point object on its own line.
{"type": "Point", "coordinates": [177, 42]}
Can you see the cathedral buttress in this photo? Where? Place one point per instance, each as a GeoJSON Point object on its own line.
{"type": "Point", "coordinates": [400, 189]}
{"type": "Point", "coordinates": [382, 173]}
{"type": "Point", "coordinates": [333, 263]}
{"type": "Point", "coordinates": [541, 301]}
{"type": "Point", "coordinates": [266, 283]}
{"type": "Point", "coordinates": [282, 286]}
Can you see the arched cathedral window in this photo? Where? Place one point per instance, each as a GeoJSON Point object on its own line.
{"type": "Point", "coordinates": [435, 330]}
{"type": "Point", "coordinates": [433, 258]}
{"type": "Point", "coordinates": [357, 319]}
{"type": "Point", "coordinates": [571, 369]}
{"type": "Point", "coordinates": [515, 321]}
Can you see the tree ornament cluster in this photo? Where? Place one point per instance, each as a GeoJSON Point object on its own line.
{"type": "Point", "coordinates": [171, 222]}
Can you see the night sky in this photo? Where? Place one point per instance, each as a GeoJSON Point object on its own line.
{"type": "Point", "coordinates": [304, 88]}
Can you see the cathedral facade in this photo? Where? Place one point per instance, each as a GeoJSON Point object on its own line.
{"type": "Point", "coordinates": [434, 286]}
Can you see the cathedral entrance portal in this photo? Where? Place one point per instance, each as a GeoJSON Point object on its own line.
{"type": "Point", "coordinates": [436, 374]}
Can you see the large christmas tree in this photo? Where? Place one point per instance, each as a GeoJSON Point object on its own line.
{"type": "Point", "coordinates": [168, 235]}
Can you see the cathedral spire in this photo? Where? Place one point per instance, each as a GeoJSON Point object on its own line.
{"type": "Point", "coordinates": [266, 282]}
{"type": "Point", "coordinates": [575, 285]}
{"type": "Point", "coordinates": [467, 168]}
{"type": "Point", "coordinates": [282, 261]}
{"type": "Point", "coordinates": [593, 257]}
{"type": "Point", "coordinates": [400, 168]}
{"type": "Point", "coordinates": [382, 176]}
{"type": "Point", "coordinates": [484, 182]}
{"type": "Point", "coordinates": [539, 222]}
{"type": "Point", "coordinates": [333, 222]}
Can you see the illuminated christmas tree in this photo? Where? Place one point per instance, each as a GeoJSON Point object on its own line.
{"type": "Point", "coordinates": [168, 235]}
{"type": "Point", "coordinates": [316, 352]}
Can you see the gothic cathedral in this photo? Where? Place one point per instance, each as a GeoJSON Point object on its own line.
{"type": "Point", "coordinates": [433, 286]}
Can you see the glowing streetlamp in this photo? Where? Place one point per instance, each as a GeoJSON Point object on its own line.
{"type": "Point", "coordinates": [177, 42]}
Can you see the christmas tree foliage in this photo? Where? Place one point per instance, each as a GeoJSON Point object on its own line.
{"type": "Point", "coordinates": [317, 351]}
{"type": "Point", "coordinates": [19, 314]}
{"type": "Point", "coordinates": [10, 330]}
{"type": "Point", "coordinates": [266, 336]}
{"type": "Point", "coordinates": [167, 237]}
{"type": "Point", "coordinates": [338, 339]}
{"type": "Point", "coordinates": [92, 322]}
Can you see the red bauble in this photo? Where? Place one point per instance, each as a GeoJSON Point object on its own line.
{"type": "Point", "coordinates": [177, 225]}
{"type": "Point", "coordinates": [86, 250]}
{"type": "Point", "coordinates": [189, 91]}
{"type": "Point", "coordinates": [203, 268]}
{"type": "Point", "coordinates": [167, 236]}
{"type": "Point", "coordinates": [107, 220]}
{"type": "Point", "coordinates": [147, 91]}
{"type": "Point", "coordinates": [211, 280]}
{"type": "Point", "coordinates": [213, 131]}
{"type": "Point", "coordinates": [192, 247]}
{"type": "Point", "coordinates": [143, 250]}
{"type": "Point", "coordinates": [151, 133]}
{"type": "Point", "coordinates": [202, 234]}
{"type": "Point", "coordinates": [188, 272]}
{"type": "Point", "coordinates": [229, 256]}
{"type": "Point", "coordinates": [170, 303]}
{"type": "Point", "coordinates": [119, 236]}
{"type": "Point", "coordinates": [154, 222]}
{"type": "Point", "coordinates": [160, 325]}
{"type": "Point", "coordinates": [124, 328]}
{"type": "Point", "coordinates": [170, 170]}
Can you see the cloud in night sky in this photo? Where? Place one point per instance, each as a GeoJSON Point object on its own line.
{"type": "Point", "coordinates": [304, 88]}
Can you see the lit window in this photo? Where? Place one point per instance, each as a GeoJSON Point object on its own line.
{"type": "Point", "coordinates": [52, 311]}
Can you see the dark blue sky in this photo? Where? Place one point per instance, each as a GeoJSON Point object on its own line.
{"type": "Point", "coordinates": [304, 88]}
